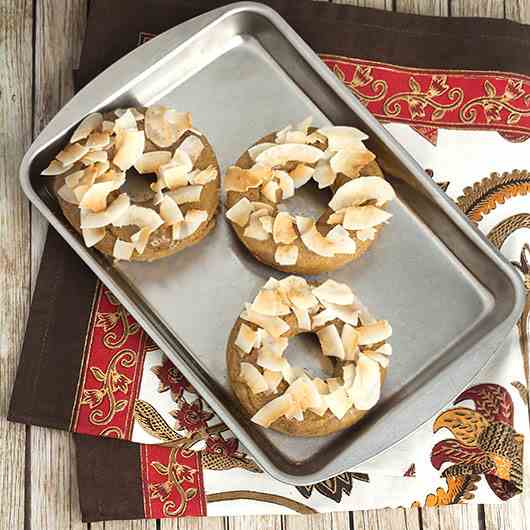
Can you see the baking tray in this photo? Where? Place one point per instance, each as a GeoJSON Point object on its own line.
{"type": "Point", "coordinates": [451, 298]}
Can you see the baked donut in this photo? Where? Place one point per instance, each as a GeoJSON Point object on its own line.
{"type": "Point", "coordinates": [287, 398]}
{"type": "Point", "coordinates": [272, 169]}
{"type": "Point", "coordinates": [138, 184]}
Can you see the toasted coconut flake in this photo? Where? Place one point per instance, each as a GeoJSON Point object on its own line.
{"type": "Point", "coordinates": [366, 234]}
{"type": "Point", "coordinates": [348, 374]}
{"type": "Point", "coordinates": [92, 236]}
{"type": "Point", "coordinates": [357, 191]}
{"type": "Point", "coordinates": [257, 149]}
{"type": "Point", "coordinates": [89, 124]}
{"type": "Point", "coordinates": [270, 191]}
{"type": "Point", "coordinates": [56, 168]}
{"type": "Point", "coordinates": [336, 217]}
{"type": "Point", "coordinates": [292, 373]}
{"type": "Point", "coordinates": [273, 345]}
{"type": "Point", "coordinates": [71, 154]}
{"type": "Point", "coordinates": [242, 180]}
{"type": "Point", "coordinates": [283, 229]}
{"type": "Point", "coordinates": [107, 126]}
{"type": "Point", "coordinates": [301, 174]}
{"type": "Point", "coordinates": [360, 217]}
{"type": "Point", "coordinates": [281, 135]}
{"type": "Point", "coordinates": [350, 341]}
{"type": "Point", "coordinates": [273, 380]}
{"type": "Point", "coordinates": [253, 378]}
{"type": "Point", "coordinates": [279, 155]}
{"type": "Point", "coordinates": [240, 212]}
{"type": "Point", "coordinates": [165, 126]}
{"type": "Point", "coordinates": [192, 222]}
{"type": "Point", "coordinates": [74, 179]}
{"type": "Point", "coordinates": [192, 146]}
{"type": "Point", "coordinates": [95, 156]}
{"type": "Point", "coordinates": [203, 176]}
{"type": "Point", "coordinates": [273, 410]}
{"type": "Point", "coordinates": [115, 210]}
{"type": "Point", "coordinates": [342, 137]}
{"type": "Point", "coordinates": [172, 176]}
{"type": "Point", "coordinates": [334, 292]}
{"type": "Point", "coordinates": [339, 402]}
{"type": "Point", "coordinates": [302, 318]}
{"type": "Point", "coordinates": [295, 137]}
{"type": "Point", "coordinates": [182, 159]}
{"type": "Point", "coordinates": [350, 161]}
{"type": "Point", "coordinates": [304, 124]}
{"type": "Point", "coordinates": [274, 326]}
{"type": "Point", "coordinates": [385, 349]}
{"type": "Point", "coordinates": [138, 116]}
{"type": "Point", "coordinates": [255, 229]}
{"type": "Point", "coordinates": [286, 184]}
{"type": "Point", "coordinates": [305, 393]}
{"type": "Point", "coordinates": [298, 291]}
{"type": "Point", "coordinates": [186, 194]}
{"type": "Point", "coordinates": [321, 386]}
{"type": "Point", "coordinates": [313, 239]}
{"type": "Point", "coordinates": [286, 255]}
{"type": "Point", "coordinates": [150, 162]}
{"type": "Point", "coordinates": [374, 333]}
{"type": "Point", "coordinates": [333, 383]}
{"type": "Point", "coordinates": [130, 150]}
{"type": "Point", "coordinates": [345, 313]}
{"type": "Point", "coordinates": [170, 211]}
{"type": "Point", "coordinates": [269, 302]}
{"type": "Point", "coordinates": [67, 194]}
{"type": "Point", "coordinates": [94, 197]}
{"type": "Point", "coordinates": [140, 239]}
{"type": "Point", "coordinates": [266, 222]}
{"type": "Point", "coordinates": [295, 413]}
{"type": "Point", "coordinates": [379, 358]}
{"type": "Point", "coordinates": [126, 121]}
{"type": "Point", "coordinates": [330, 342]}
{"type": "Point", "coordinates": [140, 217]}
{"type": "Point", "coordinates": [366, 387]}
{"type": "Point", "coordinates": [246, 338]}
{"type": "Point", "coordinates": [324, 175]}
{"type": "Point", "coordinates": [320, 319]}
{"type": "Point", "coordinates": [342, 242]}
{"type": "Point", "coordinates": [97, 140]}
{"type": "Point", "coordinates": [257, 206]}
{"type": "Point", "coordinates": [271, 362]}
{"type": "Point", "coordinates": [123, 250]}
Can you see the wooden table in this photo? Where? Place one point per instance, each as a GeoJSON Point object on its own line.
{"type": "Point", "coordinates": [39, 45]}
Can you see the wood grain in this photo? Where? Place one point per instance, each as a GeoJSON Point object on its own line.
{"type": "Point", "coordinates": [16, 22]}
{"type": "Point", "coordinates": [51, 490]}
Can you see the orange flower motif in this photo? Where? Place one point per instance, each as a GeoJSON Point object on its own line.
{"type": "Point", "coordinates": [514, 89]}
{"type": "Point", "coordinates": [192, 417]}
{"type": "Point", "coordinates": [119, 382]}
{"type": "Point", "coordinates": [93, 397]}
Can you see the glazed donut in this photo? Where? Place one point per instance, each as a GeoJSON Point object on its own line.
{"type": "Point", "coordinates": [272, 169]}
{"type": "Point", "coordinates": [138, 184]}
{"type": "Point", "coordinates": [287, 398]}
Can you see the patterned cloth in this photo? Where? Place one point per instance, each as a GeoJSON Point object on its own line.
{"type": "Point", "coordinates": [470, 129]}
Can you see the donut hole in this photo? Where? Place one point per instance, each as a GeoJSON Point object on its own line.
{"type": "Point", "coordinates": [304, 351]}
{"type": "Point", "coordinates": [308, 201]}
{"type": "Point", "coordinates": [137, 186]}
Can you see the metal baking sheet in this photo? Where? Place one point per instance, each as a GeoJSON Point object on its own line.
{"type": "Point", "coordinates": [451, 298]}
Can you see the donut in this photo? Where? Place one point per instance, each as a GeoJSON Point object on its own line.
{"type": "Point", "coordinates": [138, 184]}
{"type": "Point", "coordinates": [288, 398]}
{"type": "Point", "coordinates": [271, 171]}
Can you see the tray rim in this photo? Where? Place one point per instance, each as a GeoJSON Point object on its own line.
{"type": "Point", "coordinates": [183, 33]}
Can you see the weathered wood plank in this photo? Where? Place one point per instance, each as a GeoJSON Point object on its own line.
{"type": "Point", "coordinates": [321, 521]}
{"type": "Point", "coordinates": [477, 8]}
{"type": "Point", "coordinates": [387, 519]}
{"type": "Point", "coordinates": [193, 523]}
{"type": "Point", "coordinates": [59, 30]}
{"type": "Point", "coordinates": [462, 517]}
{"type": "Point", "coordinates": [128, 525]}
{"type": "Point", "coordinates": [423, 7]}
{"type": "Point", "coordinates": [379, 4]}
{"type": "Point", "coordinates": [518, 10]}
{"type": "Point", "coordinates": [250, 522]}
{"type": "Point", "coordinates": [16, 23]}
